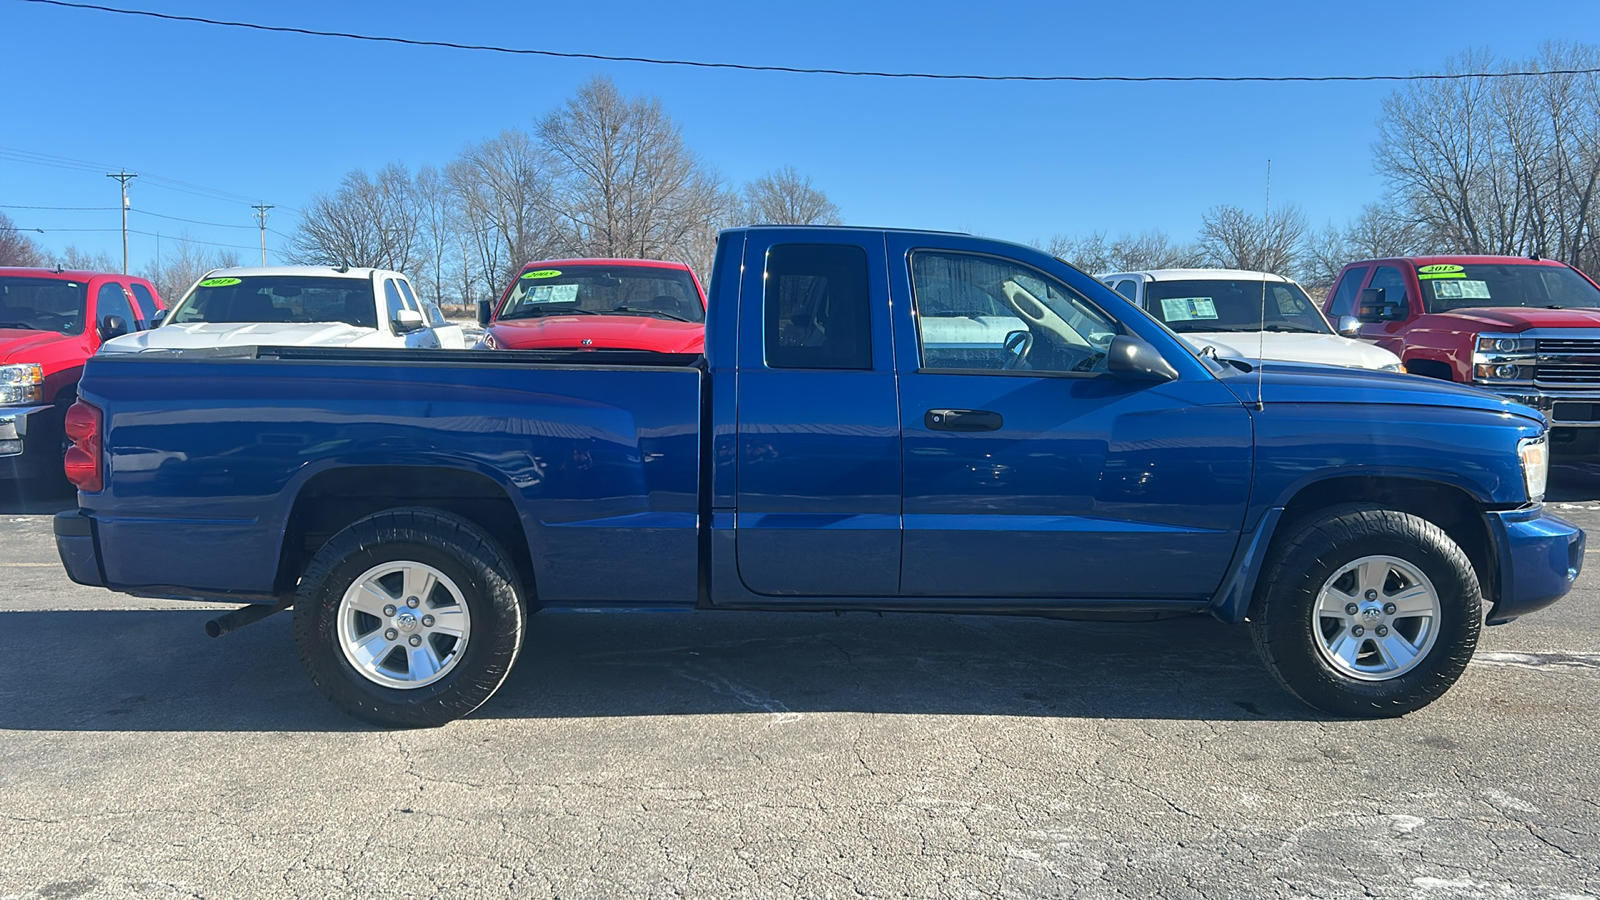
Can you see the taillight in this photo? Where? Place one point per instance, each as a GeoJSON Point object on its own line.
{"type": "Point", "coordinates": [83, 459]}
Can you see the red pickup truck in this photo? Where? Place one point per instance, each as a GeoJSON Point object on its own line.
{"type": "Point", "coordinates": [1525, 328]}
{"type": "Point", "coordinates": [51, 320]}
{"type": "Point", "coordinates": [599, 304]}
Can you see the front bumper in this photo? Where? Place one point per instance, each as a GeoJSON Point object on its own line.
{"type": "Point", "coordinates": [28, 437]}
{"type": "Point", "coordinates": [1564, 409]}
{"type": "Point", "coordinates": [80, 555]}
{"type": "Point", "coordinates": [1540, 556]}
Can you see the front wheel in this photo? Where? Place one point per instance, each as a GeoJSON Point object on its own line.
{"type": "Point", "coordinates": [408, 617]}
{"type": "Point", "coordinates": [1367, 612]}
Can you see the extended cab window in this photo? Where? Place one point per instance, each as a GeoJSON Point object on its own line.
{"type": "Point", "coordinates": [147, 304]}
{"type": "Point", "coordinates": [817, 307]}
{"type": "Point", "coordinates": [982, 312]}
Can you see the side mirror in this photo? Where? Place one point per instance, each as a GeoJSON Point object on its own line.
{"type": "Point", "coordinates": [407, 321]}
{"type": "Point", "coordinates": [485, 312]}
{"type": "Point", "coordinates": [113, 326]}
{"type": "Point", "coordinates": [1374, 305]}
{"type": "Point", "coordinates": [1349, 326]}
{"type": "Point", "coordinates": [1133, 359]}
{"type": "Point", "coordinates": [157, 319]}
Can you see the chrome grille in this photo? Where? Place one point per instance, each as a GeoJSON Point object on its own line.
{"type": "Point", "coordinates": [1568, 346]}
{"type": "Point", "coordinates": [1566, 374]}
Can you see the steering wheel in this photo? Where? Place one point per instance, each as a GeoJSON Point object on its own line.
{"type": "Point", "coordinates": [1017, 346]}
{"type": "Point", "coordinates": [39, 315]}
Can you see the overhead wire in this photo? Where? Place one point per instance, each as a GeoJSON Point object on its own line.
{"type": "Point", "coordinates": [796, 70]}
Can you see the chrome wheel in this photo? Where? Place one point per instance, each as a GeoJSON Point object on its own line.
{"type": "Point", "coordinates": [403, 624]}
{"type": "Point", "coordinates": [1376, 618]}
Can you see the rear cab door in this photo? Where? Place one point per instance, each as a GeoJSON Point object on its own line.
{"type": "Point", "coordinates": [818, 460]}
{"type": "Point", "coordinates": [1029, 471]}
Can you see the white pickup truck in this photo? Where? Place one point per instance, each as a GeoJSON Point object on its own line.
{"type": "Point", "coordinates": [297, 306]}
{"type": "Point", "coordinates": [1245, 315]}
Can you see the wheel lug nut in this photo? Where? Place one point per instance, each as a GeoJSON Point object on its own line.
{"type": "Point", "coordinates": [389, 610]}
{"type": "Point", "coordinates": [427, 621]}
{"type": "Point", "coordinates": [1381, 630]}
{"type": "Point", "coordinates": [1351, 609]}
{"type": "Point", "coordinates": [1372, 595]}
{"type": "Point", "coordinates": [390, 634]}
{"type": "Point", "coordinates": [1389, 608]}
{"type": "Point", "coordinates": [1358, 631]}
{"type": "Point", "coordinates": [412, 602]}
{"type": "Point", "coordinates": [416, 640]}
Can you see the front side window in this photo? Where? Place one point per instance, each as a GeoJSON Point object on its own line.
{"type": "Point", "coordinates": [111, 301]}
{"type": "Point", "coordinates": [1244, 304]}
{"type": "Point", "coordinates": [42, 304]}
{"type": "Point", "coordinates": [1393, 284]}
{"type": "Point", "coordinates": [279, 298]}
{"type": "Point", "coordinates": [391, 297]}
{"type": "Point", "coordinates": [817, 310]}
{"type": "Point", "coordinates": [1448, 287]}
{"type": "Point", "coordinates": [430, 310]}
{"type": "Point", "coordinates": [982, 312]}
{"type": "Point", "coordinates": [599, 290]}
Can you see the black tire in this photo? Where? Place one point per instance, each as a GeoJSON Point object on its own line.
{"type": "Point", "coordinates": [1282, 619]}
{"type": "Point", "coordinates": [464, 553]}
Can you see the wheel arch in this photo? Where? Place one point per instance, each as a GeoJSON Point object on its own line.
{"type": "Point", "coordinates": [333, 498]}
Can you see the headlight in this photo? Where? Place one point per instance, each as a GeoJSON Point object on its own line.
{"type": "Point", "coordinates": [1535, 454]}
{"type": "Point", "coordinates": [1503, 357]}
{"type": "Point", "coordinates": [21, 384]}
{"type": "Point", "coordinates": [1391, 367]}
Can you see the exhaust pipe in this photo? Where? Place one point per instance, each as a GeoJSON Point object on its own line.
{"type": "Point", "coordinates": [244, 615]}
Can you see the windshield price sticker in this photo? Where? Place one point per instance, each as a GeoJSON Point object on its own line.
{"type": "Point", "coordinates": [1461, 290]}
{"type": "Point", "coordinates": [219, 282]}
{"type": "Point", "coordinates": [554, 293]}
{"type": "Point", "coordinates": [1187, 309]}
{"type": "Point", "coordinates": [542, 273]}
{"type": "Point", "coordinates": [1440, 271]}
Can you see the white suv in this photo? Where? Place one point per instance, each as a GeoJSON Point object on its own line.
{"type": "Point", "coordinates": [1245, 315]}
{"type": "Point", "coordinates": [296, 306]}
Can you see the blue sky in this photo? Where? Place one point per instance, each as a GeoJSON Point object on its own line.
{"type": "Point", "coordinates": [281, 117]}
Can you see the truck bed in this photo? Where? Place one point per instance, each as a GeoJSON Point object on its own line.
{"type": "Point", "coordinates": [588, 458]}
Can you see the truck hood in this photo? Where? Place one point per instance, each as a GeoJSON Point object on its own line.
{"type": "Point", "coordinates": [1326, 349]}
{"type": "Point", "coordinates": [235, 334]}
{"type": "Point", "coordinates": [601, 333]}
{"type": "Point", "coordinates": [1291, 383]}
{"type": "Point", "coordinates": [18, 345]}
{"type": "Point", "coordinates": [1520, 318]}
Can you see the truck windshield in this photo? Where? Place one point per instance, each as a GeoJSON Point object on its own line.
{"type": "Point", "coordinates": [604, 291]}
{"type": "Point", "coordinates": [1447, 287]}
{"type": "Point", "coordinates": [1205, 305]}
{"type": "Point", "coordinates": [43, 304]}
{"type": "Point", "coordinates": [279, 298]}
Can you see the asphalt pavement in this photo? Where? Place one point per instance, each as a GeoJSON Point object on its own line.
{"type": "Point", "coordinates": [757, 755]}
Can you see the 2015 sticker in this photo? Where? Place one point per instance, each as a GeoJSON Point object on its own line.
{"type": "Point", "coordinates": [1437, 269]}
{"type": "Point", "coordinates": [219, 282]}
{"type": "Point", "coordinates": [542, 273]}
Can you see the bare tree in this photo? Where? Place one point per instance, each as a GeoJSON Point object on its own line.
{"type": "Point", "coordinates": [784, 197]}
{"type": "Point", "coordinates": [367, 222]}
{"type": "Point", "coordinates": [1088, 252]}
{"type": "Point", "coordinates": [1377, 232]}
{"type": "Point", "coordinates": [73, 258]}
{"type": "Point", "coordinates": [437, 215]}
{"type": "Point", "coordinates": [1234, 239]}
{"type": "Point", "coordinates": [16, 248]}
{"type": "Point", "coordinates": [502, 194]}
{"type": "Point", "coordinates": [626, 184]}
{"type": "Point", "coordinates": [1094, 254]}
{"type": "Point", "coordinates": [182, 265]}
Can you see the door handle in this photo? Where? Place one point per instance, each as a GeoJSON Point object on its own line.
{"type": "Point", "coordinates": [962, 420]}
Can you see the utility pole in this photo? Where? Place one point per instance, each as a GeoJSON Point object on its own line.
{"type": "Point", "coordinates": [124, 176]}
{"type": "Point", "coordinates": [261, 216]}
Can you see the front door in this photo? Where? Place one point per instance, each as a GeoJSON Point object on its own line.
{"type": "Point", "coordinates": [819, 424]}
{"type": "Point", "coordinates": [1031, 472]}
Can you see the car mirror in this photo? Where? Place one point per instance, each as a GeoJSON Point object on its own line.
{"type": "Point", "coordinates": [1349, 326]}
{"type": "Point", "coordinates": [113, 326]}
{"type": "Point", "coordinates": [157, 319]}
{"type": "Point", "coordinates": [1133, 359]}
{"type": "Point", "coordinates": [407, 321]}
{"type": "Point", "coordinates": [1375, 306]}
{"type": "Point", "coordinates": [485, 313]}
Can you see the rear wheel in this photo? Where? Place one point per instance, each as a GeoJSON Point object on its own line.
{"type": "Point", "coordinates": [408, 617]}
{"type": "Point", "coordinates": [1369, 612]}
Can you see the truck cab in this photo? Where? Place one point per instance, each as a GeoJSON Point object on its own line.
{"type": "Point", "coordinates": [1526, 328]}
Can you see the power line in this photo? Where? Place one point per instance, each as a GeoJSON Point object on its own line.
{"type": "Point", "coordinates": [130, 231]}
{"type": "Point", "coordinates": [147, 212]}
{"type": "Point", "coordinates": [62, 208]}
{"type": "Point", "coordinates": [797, 70]}
{"type": "Point", "coordinates": [161, 181]}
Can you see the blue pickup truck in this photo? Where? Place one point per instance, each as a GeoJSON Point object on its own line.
{"type": "Point", "coordinates": [415, 508]}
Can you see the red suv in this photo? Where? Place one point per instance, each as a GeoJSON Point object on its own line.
{"type": "Point", "coordinates": [599, 304]}
{"type": "Point", "coordinates": [50, 322]}
{"type": "Point", "coordinates": [1525, 328]}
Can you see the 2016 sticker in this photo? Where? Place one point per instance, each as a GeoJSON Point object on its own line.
{"type": "Point", "coordinates": [219, 282]}
{"type": "Point", "coordinates": [542, 273]}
